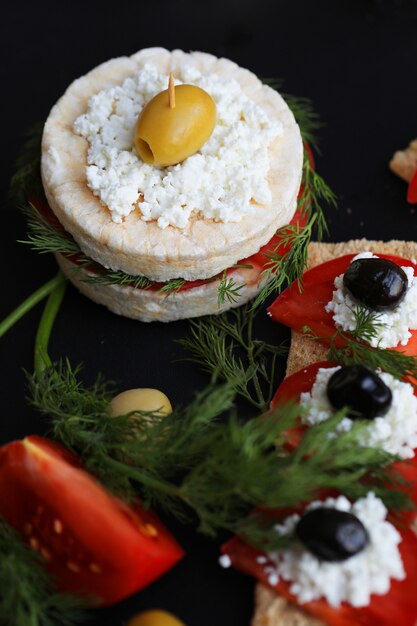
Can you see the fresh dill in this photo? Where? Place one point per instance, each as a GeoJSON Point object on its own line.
{"type": "Point", "coordinates": [303, 111]}
{"type": "Point", "coordinates": [27, 591]}
{"type": "Point", "coordinates": [228, 290]}
{"type": "Point", "coordinates": [346, 350]}
{"type": "Point", "coordinates": [172, 286]}
{"type": "Point", "coordinates": [367, 324]}
{"type": "Point", "coordinates": [27, 178]}
{"type": "Point", "coordinates": [193, 464]}
{"type": "Point", "coordinates": [117, 277]}
{"type": "Point", "coordinates": [225, 347]}
{"type": "Point", "coordinates": [287, 262]}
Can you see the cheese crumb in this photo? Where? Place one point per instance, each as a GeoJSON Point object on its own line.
{"type": "Point", "coordinates": [220, 182]}
{"type": "Point", "coordinates": [395, 432]}
{"type": "Point", "coordinates": [353, 580]}
{"type": "Point", "coordinates": [393, 326]}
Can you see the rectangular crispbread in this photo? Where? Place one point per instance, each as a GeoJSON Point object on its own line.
{"type": "Point", "coordinates": [404, 162]}
{"type": "Point", "coordinates": [270, 608]}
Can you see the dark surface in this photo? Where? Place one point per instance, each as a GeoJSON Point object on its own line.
{"type": "Point", "coordinates": [355, 59]}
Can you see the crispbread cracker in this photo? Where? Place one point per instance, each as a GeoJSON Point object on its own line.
{"type": "Point", "coordinates": [271, 609]}
{"type": "Point", "coordinates": [274, 610]}
{"type": "Point", "coordinates": [205, 247]}
{"type": "Point", "coordinates": [404, 162]}
{"type": "Point", "coordinates": [153, 306]}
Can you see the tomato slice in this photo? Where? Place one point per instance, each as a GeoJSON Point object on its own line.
{"type": "Point", "coordinates": [398, 606]}
{"type": "Point", "coordinates": [298, 308]}
{"type": "Point", "coordinates": [93, 543]}
{"type": "Point", "coordinates": [412, 190]}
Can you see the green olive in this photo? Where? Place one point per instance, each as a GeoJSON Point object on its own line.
{"type": "Point", "coordinates": [166, 136]}
{"type": "Point", "coordinates": [155, 618]}
{"type": "Point", "coordinates": [140, 400]}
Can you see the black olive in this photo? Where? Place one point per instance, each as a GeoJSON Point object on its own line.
{"type": "Point", "coordinates": [332, 535]}
{"type": "Point", "coordinates": [360, 389]}
{"type": "Point", "coordinates": [377, 283]}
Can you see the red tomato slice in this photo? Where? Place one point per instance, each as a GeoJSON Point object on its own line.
{"type": "Point", "coordinates": [412, 190]}
{"type": "Point", "coordinates": [296, 309]}
{"type": "Point", "coordinates": [92, 542]}
{"type": "Point", "coordinates": [398, 607]}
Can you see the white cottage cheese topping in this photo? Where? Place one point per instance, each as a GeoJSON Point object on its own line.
{"type": "Point", "coordinates": [393, 326]}
{"type": "Point", "coordinates": [395, 432]}
{"type": "Point", "coordinates": [352, 580]}
{"type": "Point", "coordinates": [221, 181]}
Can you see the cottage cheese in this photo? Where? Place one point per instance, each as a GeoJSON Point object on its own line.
{"type": "Point", "coordinates": [393, 326]}
{"type": "Point", "coordinates": [220, 182]}
{"type": "Point", "coordinates": [352, 580]}
{"type": "Point", "coordinates": [395, 432]}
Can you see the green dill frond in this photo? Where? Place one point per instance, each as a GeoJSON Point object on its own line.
{"type": "Point", "coordinates": [283, 268]}
{"type": "Point", "coordinates": [27, 594]}
{"type": "Point", "coordinates": [192, 463]}
{"type": "Point", "coordinates": [27, 178]}
{"type": "Point", "coordinates": [367, 325]}
{"type": "Point", "coordinates": [394, 362]}
{"type": "Point", "coordinates": [228, 290]}
{"type": "Point", "coordinates": [289, 259]}
{"type": "Point", "coordinates": [43, 237]}
{"type": "Point", "coordinates": [305, 116]}
{"type": "Point", "coordinates": [172, 286]}
{"type": "Point", "coordinates": [117, 277]}
{"type": "Point", "coordinates": [224, 346]}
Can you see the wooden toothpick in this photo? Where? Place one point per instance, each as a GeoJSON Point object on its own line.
{"type": "Point", "coordinates": [171, 91]}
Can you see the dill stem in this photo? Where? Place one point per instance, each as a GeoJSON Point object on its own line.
{"type": "Point", "coordinates": [30, 302]}
{"type": "Point", "coordinates": [141, 477]}
{"type": "Point", "coordinates": [42, 359]}
{"type": "Point", "coordinates": [252, 361]}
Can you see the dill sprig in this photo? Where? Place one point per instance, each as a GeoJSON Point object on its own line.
{"type": "Point", "coordinates": [303, 111]}
{"type": "Point", "coordinates": [228, 290]}
{"type": "Point", "coordinates": [27, 177]}
{"type": "Point", "coordinates": [27, 594]}
{"type": "Point", "coordinates": [394, 362]}
{"type": "Point", "coordinates": [287, 262]}
{"type": "Point", "coordinates": [44, 237]}
{"type": "Point", "coordinates": [194, 465]}
{"type": "Point", "coordinates": [367, 324]}
{"type": "Point", "coordinates": [225, 347]}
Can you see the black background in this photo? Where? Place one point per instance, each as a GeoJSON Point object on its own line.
{"type": "Point", "coordinates": [357, 61]}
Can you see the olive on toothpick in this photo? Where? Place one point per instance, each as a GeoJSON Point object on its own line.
{"type": "Point", "coordinates": [175, 124]}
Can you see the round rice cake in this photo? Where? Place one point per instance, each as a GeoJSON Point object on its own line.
{"type": "Point", "coordinates": [205, 247]}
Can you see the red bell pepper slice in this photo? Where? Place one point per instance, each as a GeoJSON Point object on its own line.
{"type": "Point", "coordinates": [299, 307]}
{"type": "Point", "coordinates": [302, 381]}
{"type": "Point", "coordinates": [412, 190]}
{"type": "Point", "coordinates": [396, 608]}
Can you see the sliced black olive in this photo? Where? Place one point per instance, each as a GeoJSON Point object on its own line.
{"type": "Point", "coordinates": [377, 283]}
{"type": "Point", "coordinates": [360, 389]}
{"type": "Point", "coordinates": [332, 535]}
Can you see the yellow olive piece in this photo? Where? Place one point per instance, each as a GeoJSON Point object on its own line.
{"type": "Point", "coordinates": [140, 400]}
{"type": "Point", "coordinates": [155, 618]}
{"type": "Point", "coordinates": [166, 136]}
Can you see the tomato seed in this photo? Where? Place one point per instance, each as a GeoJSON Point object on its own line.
{"type": "Point", "coordinates": [96, 569]}
{"type": "Point", "coordinates": [34, 543]}
{"type": "Point", "coordinates": [58, 526]}
{"type": "Point", "coordinates": [46, 554]}
{"type": "Point", "coordinates": [150, 530]}
{"type": "Point", "coordinates": [27, 529]}
{"type": "Point", "coordinates": [73, 567]}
